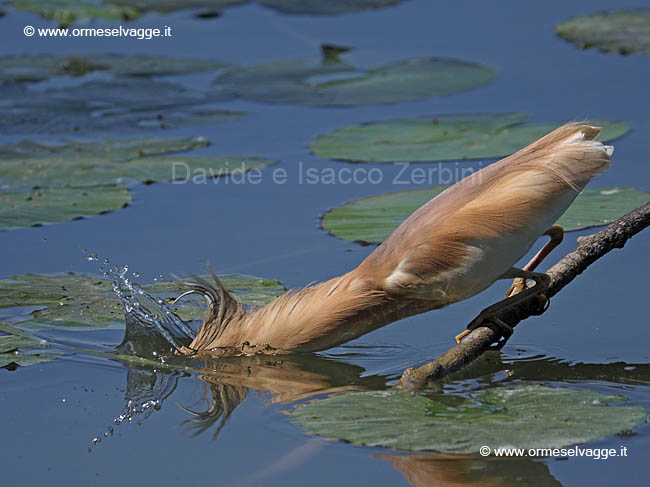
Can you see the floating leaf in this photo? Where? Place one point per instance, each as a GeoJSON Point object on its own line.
{"type": "Point", "coordinates": [78, 163]}
{"type": "Point", "coordinates": [441, 138]}
{"type": "Point", "coordinates": [89, 301]}
{"type": "Point", "coordinates": [246, 289]}
{"type": "Point", "coordinates": [99, 106]}
{"type": "Point", "coordinates": [623, 31]}
{"type": "Point", "coordinates": [70, 11]}
{"type": "Point", "coordinates": [12, 352]}
{"type": "Point", "coordinates": [371, 220]}
{"type": "Point", "coordinates": [527, 416]}
{"type": "Point", "coordinates": [39, 67]}
{"type": "Point", "coordinates": [338, 83]}
{"type": "Point", "coordinates": [11, 343]}
{"type": "Point", "coordinates": [51, 205]}
{"type": "Point", "coordinates": [329, 7]}
{"type": "Point", "coordinates": [66, 12]}
{"type": "Point", "coordinates": [596, 207]}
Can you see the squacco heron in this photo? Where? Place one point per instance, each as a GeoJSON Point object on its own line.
{"type": "Point", "coordinates": [450, 249]}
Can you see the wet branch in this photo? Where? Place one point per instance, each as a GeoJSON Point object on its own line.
{"type": "Point", "coordinates": [590, 248]}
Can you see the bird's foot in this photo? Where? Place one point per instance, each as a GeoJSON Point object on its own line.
{"type": "Point", "coordinates": [506, 329]}
{"type": "Point", "coordinates": [518, 285]}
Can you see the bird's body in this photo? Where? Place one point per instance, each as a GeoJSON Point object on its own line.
{"type": "Point", "coordinates": [450, 249]}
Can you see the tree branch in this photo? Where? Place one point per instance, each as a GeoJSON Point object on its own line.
{"type": "Point", "coordinates": [590, 248]}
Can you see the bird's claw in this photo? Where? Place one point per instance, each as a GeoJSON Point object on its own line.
{"type": "Point", "coordinates": [506, 329]}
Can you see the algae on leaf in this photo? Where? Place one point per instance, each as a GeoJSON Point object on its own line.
{"type": "Point", "coordinates": [52, 205]}
{"type": "Point", "coordinates": [623, 31]}
{"type": "Point", "coordinates": [524, 416]}
{"type": "Point", "coordinates": [441, 138]}
{"type": "Point", "coordinates": [337, 83]}
{"type": "Point", "coordinates": [371, 220]}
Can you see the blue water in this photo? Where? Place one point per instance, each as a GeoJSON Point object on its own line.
{"type": "Point", "coordinates": [51, 412]}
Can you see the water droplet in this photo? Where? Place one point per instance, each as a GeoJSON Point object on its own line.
{"type": "Point", "coordinates": [92, 256]}
{"type": "Point", "coordinates": [106, 261]}
{"type": "Point", "coordinates": [63, 399]}
{"type": "Point", "coordinates": [96, 440]}
{"type": "Point", "coordinates": [136, 274]}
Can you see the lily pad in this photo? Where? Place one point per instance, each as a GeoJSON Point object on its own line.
{"type": "Point", "coordinates": [329, 7]}
{"type": "Point", "coordinates": [623, 31]}
{"type": "Point", "coordinates": [51, 205]}
{"type": "Point", "coordinates": [81, 300]}
{"type": "Point", "coordinates": [526, 416]}
{"type": "Point", "coordinates": [123, 105]}
{"type": "Point", "coordinates": [371, 220]}
{"type": "Point", "coordinates": [20, 351]}
{"type": "Point", "coordinates": [311, 7]}
{"type": "Point", "coordinates": [84, 163]}
{"type": "Point", "coordinates": [336, 83]}
{"type": "Point", "coordinates": [441, 138]}
{"type": "Point", "coordinates": [39, 67]}
{"type": "Point", "coordinates": [67, 12]}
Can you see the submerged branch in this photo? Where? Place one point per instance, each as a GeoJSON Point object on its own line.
{"type": "Point", "coordinates": [590, 248]}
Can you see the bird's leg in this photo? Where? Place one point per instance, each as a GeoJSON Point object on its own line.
{"type": "Point", "coordinates": [542, 282]}
{"type": "Point", "coordinates": [556, 232]}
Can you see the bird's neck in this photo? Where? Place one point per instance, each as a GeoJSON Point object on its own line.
{"type": "Point", "coordinates": [316, 317]}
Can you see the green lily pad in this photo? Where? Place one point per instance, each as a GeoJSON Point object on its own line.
{"type": "Point", "coordinates": [81, 300]}
{"type": "Point", "coordinates": [527, 416]}
{"type": "Point", "coordinates": [441, 138]}
{"type": "Point", "coordinates": [124, 104]}
{"type": "Point", "coordinates": [84, 163]}
{"type": "Point", "coordinates": [12, 352]}
{"type": "Point", "coordinates": [329, 7]}
{"type": "Point", "coordinates": [596, 207]}
{"type": "Point", "coordinates": [66, 12]}
{"type": "Point", "coordinates": [336, 83]}
{"type": "Point", "coordinates": [371, 220]}
{"type": "Point", "coordinates": [52, 205]}
{"type": "Point", "coordinates": [623, 31]}
{"type": "Point", "coordinates": [310, 7]}
{"type": "Point", "coordinates": [39, 67]}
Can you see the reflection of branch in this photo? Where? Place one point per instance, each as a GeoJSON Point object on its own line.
{"type": "Point", "coordinates": [590, 249]}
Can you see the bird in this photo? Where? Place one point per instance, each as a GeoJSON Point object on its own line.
{"type": "Point", "coordinates": [450, 249]}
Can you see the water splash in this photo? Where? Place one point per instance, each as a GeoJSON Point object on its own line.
{"type": "Point", "coordinates": [148, 319]}
{"type": "Point", "coordinates": [152, 328]}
